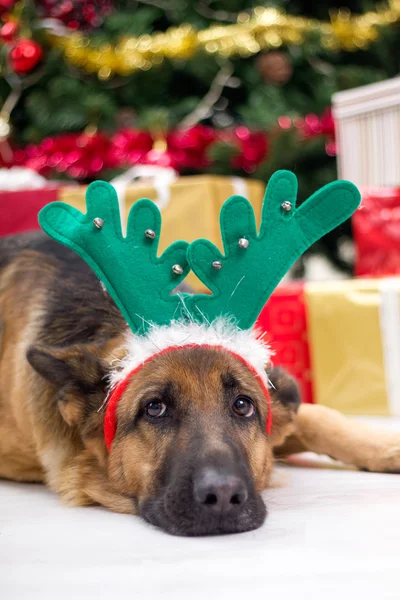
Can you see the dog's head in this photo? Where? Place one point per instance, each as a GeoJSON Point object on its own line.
{"type": "Point", "coordinates": [191, 447]}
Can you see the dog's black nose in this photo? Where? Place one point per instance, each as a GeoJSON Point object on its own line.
{"type": "Point", "coordinates": [219, 491]}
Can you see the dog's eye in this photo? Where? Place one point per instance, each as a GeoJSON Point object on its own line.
{"type": "Point", "coordinates": [243, 407]}
{"type": "Point", "coordinates": [155, 409]}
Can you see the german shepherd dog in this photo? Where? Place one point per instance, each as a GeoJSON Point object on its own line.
{"type": "Point", "coordinates": [191, 454]}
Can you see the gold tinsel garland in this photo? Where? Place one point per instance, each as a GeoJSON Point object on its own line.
{"type": "Point", "coordinates": [266, 28]}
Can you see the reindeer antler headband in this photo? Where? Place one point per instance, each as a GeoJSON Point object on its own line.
{"type": "Point", "coordinates": [241, 280]}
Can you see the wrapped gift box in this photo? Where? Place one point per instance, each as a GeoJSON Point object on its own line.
{"type": "Point", "coordinates": [376, 228]}
{"type": "Point", "coordinates": [367, 123]}
{"type": "Point", "coordinates": [19, 209]}
{"type": "Point", "coordinates": [283, 320]}
{"type": "Point", "coordinates": [354, 337]}
{"type": "Point", "coordinates": [189, 206]}
{"type": "Point", "coordinates": [341, 340]}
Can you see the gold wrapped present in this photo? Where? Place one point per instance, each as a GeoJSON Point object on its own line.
{"type": "Point", "coordinates": [189, 206]}
{"type": "Point", "coordinates": [354, 338]}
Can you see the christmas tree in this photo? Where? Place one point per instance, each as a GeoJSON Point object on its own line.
{"type": "Point", "coordinates": [92, 87]}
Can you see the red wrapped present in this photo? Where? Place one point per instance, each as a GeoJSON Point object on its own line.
{"type": "Point", "coordinates": [285, 322]}
{"type": "Point", "coordinates": [19, 209]}
{"type": "Point", "coordinates": [376, 227]}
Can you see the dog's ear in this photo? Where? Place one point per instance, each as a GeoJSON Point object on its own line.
{"type": "Point", "coordinates": [79, 373]}
{"type": "Point", "coordinates": [77, 366]}
{"type": "Point", "coordinates": [285, 388]}
{"type": "Point", "coordinates": [286, 399]}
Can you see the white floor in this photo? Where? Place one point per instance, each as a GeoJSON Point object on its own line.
{"type": "Point", "coordinates": [332, 533]}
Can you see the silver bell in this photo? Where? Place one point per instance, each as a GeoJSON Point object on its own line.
{"type": "Point", "coordinates": [217, 265]}
{"type": "Point", "coordinates": [286, 206]}
{"type": "Point", "coordinates": [97, 222]}
{"type": "Point", "coordinates": [149, 233]}
{"type": "Point", "coordinates": [243, 243]}
{"type": "Point", "coordinates": [177, 269]}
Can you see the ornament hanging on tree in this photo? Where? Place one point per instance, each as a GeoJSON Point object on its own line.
{"type": "Point", "coordinates": [6, 6]}
{"type": "Point", "coordinates": [24, 56]}
{"type": "Point", "coordinates": [77, 14]}
{"type": "Point", "coordinates": [8, 31]}
{"type": "Point", "coordinates": [275, 67]}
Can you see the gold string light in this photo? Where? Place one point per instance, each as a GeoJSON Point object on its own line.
{"type": "Point", "coordinates": [264, 29]}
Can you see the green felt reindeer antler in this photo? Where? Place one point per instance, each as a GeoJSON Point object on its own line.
{"type": "Point", "coordinates": [241, 280]}
{"type": "Point", "coordinates": [244, 277]}
{"type": "Point", "coordinates": [139, 282]}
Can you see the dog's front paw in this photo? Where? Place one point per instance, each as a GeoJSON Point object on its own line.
{"type": "Point", "coordinates": [386, 459]}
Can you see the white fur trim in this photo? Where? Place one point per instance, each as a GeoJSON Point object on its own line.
{"type": "Point", "coordinates": [220, 332]}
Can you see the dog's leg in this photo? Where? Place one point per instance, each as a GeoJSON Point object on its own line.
{"type": "Point", "coordinates": [20, 471]}
{"type": "Point", "coordinates": [326, 431]}
{"type": "Point", "coordinates": [82, 482]}
{"type": "Point", "coordinates": [97, 490]}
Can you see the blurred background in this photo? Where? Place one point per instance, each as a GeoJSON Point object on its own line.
{"type": "Point", "coordinates": [187, 102]}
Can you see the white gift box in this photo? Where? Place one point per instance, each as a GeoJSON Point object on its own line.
{"type": "Point", "coordinates": [367, 121]}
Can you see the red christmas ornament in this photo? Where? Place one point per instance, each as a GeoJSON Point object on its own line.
{"type": "Point", "coordinates": [77, 14]}
{"type": "Point", "coordinates": [25, 55]}
{"type": "Point", "coordinates": [6, 6]}
{"type": "Point", "coordinates": [8, 31]}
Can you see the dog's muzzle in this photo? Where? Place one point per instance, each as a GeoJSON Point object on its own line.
{"type": "Point", "coordinates": [211, 496]}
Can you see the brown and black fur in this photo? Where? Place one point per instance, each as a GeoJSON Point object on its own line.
{"type": "Point", "coordinates": [60, 332]}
